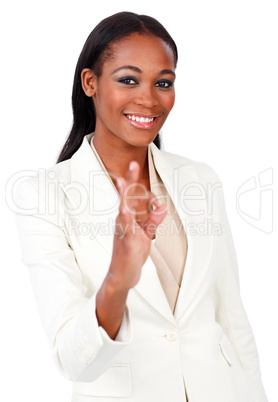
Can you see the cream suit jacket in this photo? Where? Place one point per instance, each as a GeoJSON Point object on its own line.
{"type": "Point", "coordinates": [205, 349]}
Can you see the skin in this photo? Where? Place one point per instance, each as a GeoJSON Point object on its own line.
{"type": "Point", "coordinates": [145, 89]}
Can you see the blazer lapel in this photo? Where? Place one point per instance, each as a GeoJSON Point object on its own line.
{"type": "Point", "coordinates": [151, 290]}
{"type": "Point", "coordinates": [188, 192]}
{"type": "Point", "coordinates": [94, 199]}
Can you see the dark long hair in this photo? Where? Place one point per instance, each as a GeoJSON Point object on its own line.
{"type": "Point", "coordinates": [94, 53]}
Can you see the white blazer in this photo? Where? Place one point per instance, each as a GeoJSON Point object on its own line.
{"type": "Point", "coordinates": [206, 349]}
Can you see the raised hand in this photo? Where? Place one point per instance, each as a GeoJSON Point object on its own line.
{"type": "Point", "coordinates": [135, 228]}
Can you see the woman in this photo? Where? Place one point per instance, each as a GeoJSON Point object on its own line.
{"type": "Point", "coordinates": [139, 296]}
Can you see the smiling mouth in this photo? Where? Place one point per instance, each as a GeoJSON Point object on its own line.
{"type": "Point", "coordinates": [140, 119]}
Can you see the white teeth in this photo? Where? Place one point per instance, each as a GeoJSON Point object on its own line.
{"type": "Point", "coordinates": [140, 119]}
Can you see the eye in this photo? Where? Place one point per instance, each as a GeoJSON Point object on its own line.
{"type": "Point", "coordinates": [128, 81]}
{"type": "Point", "coordinates": [164, 84]}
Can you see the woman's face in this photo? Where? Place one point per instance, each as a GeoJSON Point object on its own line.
{"type": "Point", "coordinates": [135, 92]}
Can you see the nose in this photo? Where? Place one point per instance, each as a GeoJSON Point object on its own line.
{"type": "Point", "coordinates": [146, 97]}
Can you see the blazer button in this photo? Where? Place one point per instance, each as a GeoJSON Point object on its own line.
{"type": "Point", "coordinates": [171, 335]}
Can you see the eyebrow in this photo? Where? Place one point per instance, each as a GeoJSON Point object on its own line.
{"type": "Point", "coordinates": [137, 70]}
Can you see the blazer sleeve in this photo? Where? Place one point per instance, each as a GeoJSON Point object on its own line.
{"type": "Point", "coordinates": [230, 312]}
{"type": "Point", "coordinates": [81, 349]}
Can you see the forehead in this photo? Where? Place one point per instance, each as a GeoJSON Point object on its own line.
{"type": "Point", "coordinates": [141, 51]}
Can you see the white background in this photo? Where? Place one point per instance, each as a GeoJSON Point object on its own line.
{"type": "Point", "coordinates": [225, 115]}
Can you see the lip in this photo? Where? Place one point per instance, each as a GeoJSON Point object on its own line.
{"type": "Point", "coordinates": [141, 125]}
{"type": "Point", "coordinates": [140, 114]}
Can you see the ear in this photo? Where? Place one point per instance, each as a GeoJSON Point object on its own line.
{"type": "Point", "coordinates": [88, 80]}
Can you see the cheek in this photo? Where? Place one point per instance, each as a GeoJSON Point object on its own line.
{"type": "Point", "coordinates": [169, 101]}
{"type": "Point", "coordinates": [113, 100]}
{"type": "Point", "coordinates": [118, 99]}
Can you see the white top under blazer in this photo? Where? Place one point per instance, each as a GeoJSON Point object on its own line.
{"type": "Point", "coordinates": [201, 344]}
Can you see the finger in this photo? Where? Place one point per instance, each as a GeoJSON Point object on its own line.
{"type": "Point", "coordinates": [126, 214]}
{"type": "Point", "coordinates": [132, 175]}
{"type": "Point", "coordinates": [154, 202]}
{"type": "Point", "coordinates": [134, 191]}
{"type": "Point", "coordinates": [121, 186]}
{"type": "Point", "coordinates": [157, 215]}
{"type": "Point", "coordinates": [155, 218]}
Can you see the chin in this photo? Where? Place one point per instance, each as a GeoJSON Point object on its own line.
{"type": "Point", "coordinates": [142, 139]}
{"type": "Point", "coordinates": [141, 143]}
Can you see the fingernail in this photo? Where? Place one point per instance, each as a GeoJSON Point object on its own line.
{"type": "Point", "coordinates": [131, 166]}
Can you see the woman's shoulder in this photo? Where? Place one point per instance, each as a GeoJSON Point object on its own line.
{"type": "Point", "coordinates": [201, 169]}
{"type": "Point", "coordinates": [37, 179]}
{"type": "Point", "coordinates": [34, 190]}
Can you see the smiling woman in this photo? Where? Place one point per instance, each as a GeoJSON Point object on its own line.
{"type": "Point", "coordinates": [100, 48]}
{"type": "Point", "coordinates": [132, 100]}
{"type": "Point", "coordinates": [149, 310]}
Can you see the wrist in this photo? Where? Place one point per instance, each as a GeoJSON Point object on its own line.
{"type": "Point", "coordinates": [110, 306]}
{"type": "Point", "coordinates": [114, 286]}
